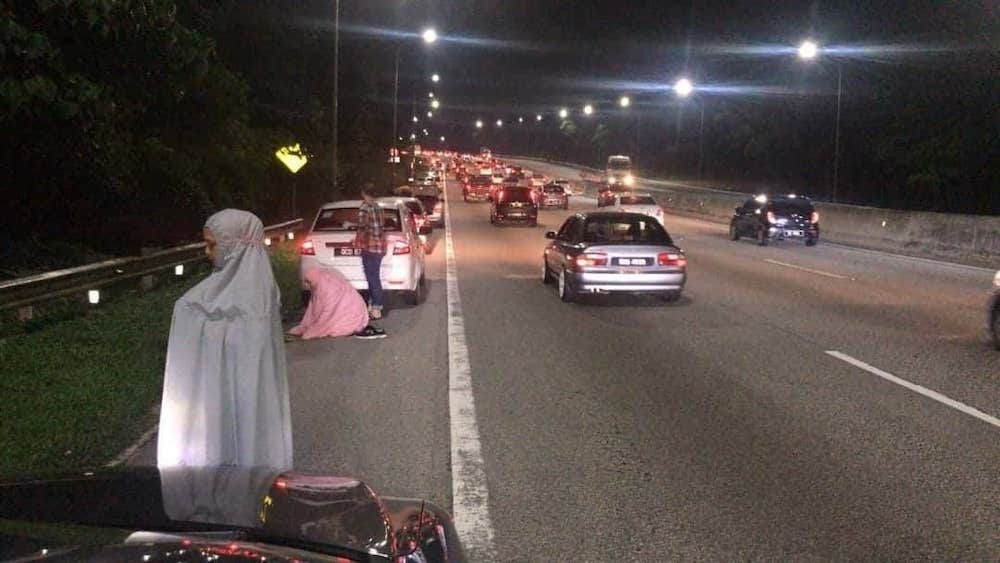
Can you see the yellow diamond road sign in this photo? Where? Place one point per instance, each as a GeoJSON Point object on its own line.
{"type": "Point", "coordinates": [292, 157]}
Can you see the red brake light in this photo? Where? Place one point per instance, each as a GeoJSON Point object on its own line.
{"type": "Point", "coordinates": [307, 248]}
{"type": "Point", "coordinates": [400, 247]}
{"type": "Point", "coordinates": [671, 259]}
{"type": "Point", "coordinates": [590, 259]}
{"type": "Point", "coordinates": [771, 218]}
{"type": "Point", "coordinates": [815, 217]}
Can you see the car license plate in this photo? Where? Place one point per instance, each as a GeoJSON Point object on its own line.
{"type": "Point", "coordinates": [631, 261]}
{"type": "Point", "coordinates": [346, 251]}
{"type": "Point", "coordinates": [793, 233]}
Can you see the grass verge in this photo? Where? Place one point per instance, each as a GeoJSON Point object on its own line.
{"type": "Point", "coordinates": [77, 392]}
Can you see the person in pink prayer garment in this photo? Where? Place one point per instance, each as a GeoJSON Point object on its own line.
{"type": "Point", "coordinates": [335, 308]}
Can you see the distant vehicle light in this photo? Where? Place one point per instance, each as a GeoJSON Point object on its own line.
{"type": "Point", "coordinates": [611, 179]}
{"type": "Point", "coordinates": [815, 217]}
{"type": "Point", "coordinates": [629, 180]}
{"type": "Point", "coordinates": [762, 198]}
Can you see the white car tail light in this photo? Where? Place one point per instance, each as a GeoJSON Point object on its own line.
{"type": "Point", "coordinates": [400, 247]}
{"type": "Point", "coordinates": [590, 259]}
{"type": "Point", "coordinates": [307, 248]}
{"type": "Point", "coordinates": [671, 259]}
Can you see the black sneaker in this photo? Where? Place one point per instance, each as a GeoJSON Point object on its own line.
{"type": "Point", "coordinates": [370, 333]}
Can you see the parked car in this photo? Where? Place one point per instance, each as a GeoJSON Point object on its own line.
{"type": "Point", "coordinates": [993, 312]}
{"type": "Point", "coordinates": [768, 218]}
{"type": "Point", "coordinates": [553, 195]}
{"type": "Point", "coordinates": [565, 184]}
{"type": "Point", "coordinates": [514, 204]}
{"type": "Point", "coordinates": [330, 244]}
{"type": "Point", "coordinates": [417, 211]}
{"type": "Point", "coordinates": [434, 206]}
{"type": "Point", "coordinates": [477, 188]}
{"type": "Point", "coordinates": [638, 203]}
{"type": "Point", "coordinates": [613, 252]}
{"type": "Point", "coordinates": [236, 513]}
{"type": "Point", "coordinates": [608, 193]}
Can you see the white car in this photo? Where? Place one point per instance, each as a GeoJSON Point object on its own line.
{"type": "Point", "coordinates": [330, 244]}
{"type": "Point", "coordinates": [637, 203]}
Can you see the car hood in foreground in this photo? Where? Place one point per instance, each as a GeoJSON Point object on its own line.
{"type": "Point", "coordinates": [318, 513]}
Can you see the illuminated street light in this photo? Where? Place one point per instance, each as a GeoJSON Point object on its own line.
{"type": "Point", "coordinates": [430, 35]}
{"type": "Point", "coordinates": [413, 136]}
{"type": "Point", "coordinates": [435, 77]}
{"type": "Point", "coordinates": [442, 138]}
{"type": "Point", "coordinates": [624, 102]}
{"type": "Point", "coordinates": [499, 123]}
{"type": "Point", "coordinates": [564, 113]}
{"type": "Point", "coordinates": [808, 50]}
{"type": "Point", "coordinates": [683, 87]}
{"type": "Point", "coordinates": [479, 124]}
{"type": "Point", "coordinates": [520, 120]}
{"type": "Point", "coordinates": [588, 110]}
{"type": "Point", "coordinates": [426, 133]}
{"type": "Point", "coordinates": [430, 114]}
{"type": "Point", "coordinates": [538, 117]}
{"type": "Point", "coordinates": [416, 119]}
{"type": "Point", "coordinates": [435, 104]}
{"type": "Point", "coordinates": [430, 94]}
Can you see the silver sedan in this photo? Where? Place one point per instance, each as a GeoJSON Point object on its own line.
{"type": "Point", "coordinates": [613, 252]}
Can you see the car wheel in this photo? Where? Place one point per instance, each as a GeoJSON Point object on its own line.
{"type": "Point", "coordinates": [996, 329]}
{"type": "Point", "coordinates": [811, 241]}
{"type": "Point", "coordinates": [416, 297]}
{"type": "Point", "coordinates": [734, 233]}
{"type": "Point", "coordinates": [761, 236]}
{"type": "Point", "coordinates": [565, 292]}
{"type": "Point", "coordinates": [546, 275]}
{"type": "Point", "coordinates": [671, 296]}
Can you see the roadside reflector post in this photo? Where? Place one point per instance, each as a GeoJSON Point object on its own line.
{"type": "Point", "coordinates": [94, 296]}
{"type": "Point", "coordinates": [179, 270]}
{"type": "Point", "coordinates": [291, 235]}
{"type": "Point", "coordinates": [267, 241]}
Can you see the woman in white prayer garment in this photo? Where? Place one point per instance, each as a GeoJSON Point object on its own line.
{"type": "Point", "coordinates": [225, 391]}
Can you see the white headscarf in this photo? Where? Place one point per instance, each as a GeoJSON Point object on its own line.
{"type": "Point", "coordinates": [225, 390]}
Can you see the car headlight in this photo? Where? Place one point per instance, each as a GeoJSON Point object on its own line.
{"type": "Point", "coordinates": [629, 180]}
{"type": "Point", "coordinates": [611, 179]}
{"type": "Point", "coordinates": [996, 279]}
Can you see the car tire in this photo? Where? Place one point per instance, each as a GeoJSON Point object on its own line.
{"type": "Point", "coordinates": [996, 329]}
{"type": "Point", "coordinates": [565, 291]}
{"type": "Point", "coordinates": [734, 233]}
{"type": "Point", "coordinates": [672, 296]}
{"type": "Point", "coordinates": [547, 277]}
{"type": "Point", "coordinates": [762, 236]}
{"type": "Point", "coordinates": [416, 297]}
{"type": "Point", "coordinates": [811, 241]}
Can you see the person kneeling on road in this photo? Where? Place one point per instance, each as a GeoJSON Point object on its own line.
{"type": "Point", "coordinates": [335, 309]}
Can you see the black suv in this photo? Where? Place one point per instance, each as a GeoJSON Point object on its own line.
{"type": "Point", "coordinates": [767, 218]}
{"type": "Point", "coordinates": [514, 204]}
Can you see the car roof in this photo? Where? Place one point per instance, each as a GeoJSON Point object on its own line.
{"type": "Point", "coordinates": [349, 203]}
{"type": "Point", "coordinates": [609, 214]}
{"type": "Point", "coordinates": [396, 199]}
{"type": "Point", "coordinates": [633, 194]}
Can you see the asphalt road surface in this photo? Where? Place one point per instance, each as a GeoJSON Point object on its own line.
{"type": "Point", "coordinates": [796, 403]}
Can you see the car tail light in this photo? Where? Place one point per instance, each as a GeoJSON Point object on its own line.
{"type": "Point", "coordinates": [307, 248]}
{"type": "Point", "coordinates": [815, 217]}
{"type": "Point", "coordinates": [671, 259]}
{"type": "Point", "coordinates": [400, 247]}
{"type": "Point", "coordinates": [771, 218]}
{"type": "Point", "coordinates": [590, 259]}
{"type": "Point", "coordinates": [437, 207]}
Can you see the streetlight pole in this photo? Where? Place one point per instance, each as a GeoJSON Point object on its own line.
{"type": "Point", "coordinates": [701, 140]}
{"type": "Point", "coordinates": [395, 118]}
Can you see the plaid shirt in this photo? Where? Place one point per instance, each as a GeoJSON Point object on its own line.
{"type": "Point", "coordinates": [371, 232]}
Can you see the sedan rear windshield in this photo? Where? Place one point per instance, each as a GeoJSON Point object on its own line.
{"type": "Point", "coordinates": [415, 207]}
{"type": "Point", "coordinates": [514, 194]}
{"type": "Point", "coordinates": [625, 229]}
{"type": "Point", "coordinates": [346, 219]}
{"type": "Point", "coordinates": [553, 189]}
{"type": "Point", "coordinates": [792, 206]}
{"type": "Point", "coordinates": [637, 200]}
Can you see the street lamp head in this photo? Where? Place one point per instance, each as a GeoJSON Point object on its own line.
{"type": "Point", "coordinates": [808, 50]}
{"type": "Point", "coordinates": [416, 119]}
{"type": "Point", "coordinates": [499, 123]}
{"type": "Point", "coordinates": [479, 124]}
{"type": "Point", "coordinates": [588, 110]}
{"type": "Point", "coordinates": [538, 117]}
{"type": "Point", "coordinates": [430, 35]}
{"type": "Point", "coordinates": [442, 138]}
{"type": "Point", "coordinates": [520, 120]}
{"type": "Point", "coordinates": [624, 102]}
{"type": "Point", "coordinates": [430, 114]}
{"type": "Point", "coordinates": [430, 94]}
{"type": "Point", "coordinates": [413, 136]}
{"type": "Point", "coordinates": [683, 87]}
{"type": "Point", "coordinates": [435, 104]}
{"type": "Point", "coordinates": [435, 77]}
{"type": "Point", "coordinates": [564, 113]}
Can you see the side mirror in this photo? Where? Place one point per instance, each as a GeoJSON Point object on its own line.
{"type": "Point", "coordinates": [425, 230]}
{"type": "Point", "coordinates": [550, 234]}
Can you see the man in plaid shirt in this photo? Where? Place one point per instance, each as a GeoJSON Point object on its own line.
{"type": "Point", "coordinates": [370, 238]}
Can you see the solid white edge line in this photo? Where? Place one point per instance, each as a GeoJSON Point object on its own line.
{"type": "Point", "coordinates": [468, 470]}
{"type": "Point", "coordinates": [810, 270]}
{"type": "Point", "coordinates": [130, 451]}
{"type": "Point", "coordinates": [929, 393]}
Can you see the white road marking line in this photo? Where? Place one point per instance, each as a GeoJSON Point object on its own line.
{"type": "Point", "coordinates": [470, 496]}
{"type": "Point", "coordinates": [929, 393]}
{"type": "Point", "coordinates": [131, 450]}
{"type": "Point", "coordinates": [521, 276]}
{"type": "Point", "coordinates": [810, 270]}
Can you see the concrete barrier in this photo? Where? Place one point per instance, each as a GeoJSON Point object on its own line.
{"type": "Point", "coordinates": [970, 239]}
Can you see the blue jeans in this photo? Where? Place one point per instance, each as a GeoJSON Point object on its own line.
{"type": "Point", "coordinates": [372, 263]}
